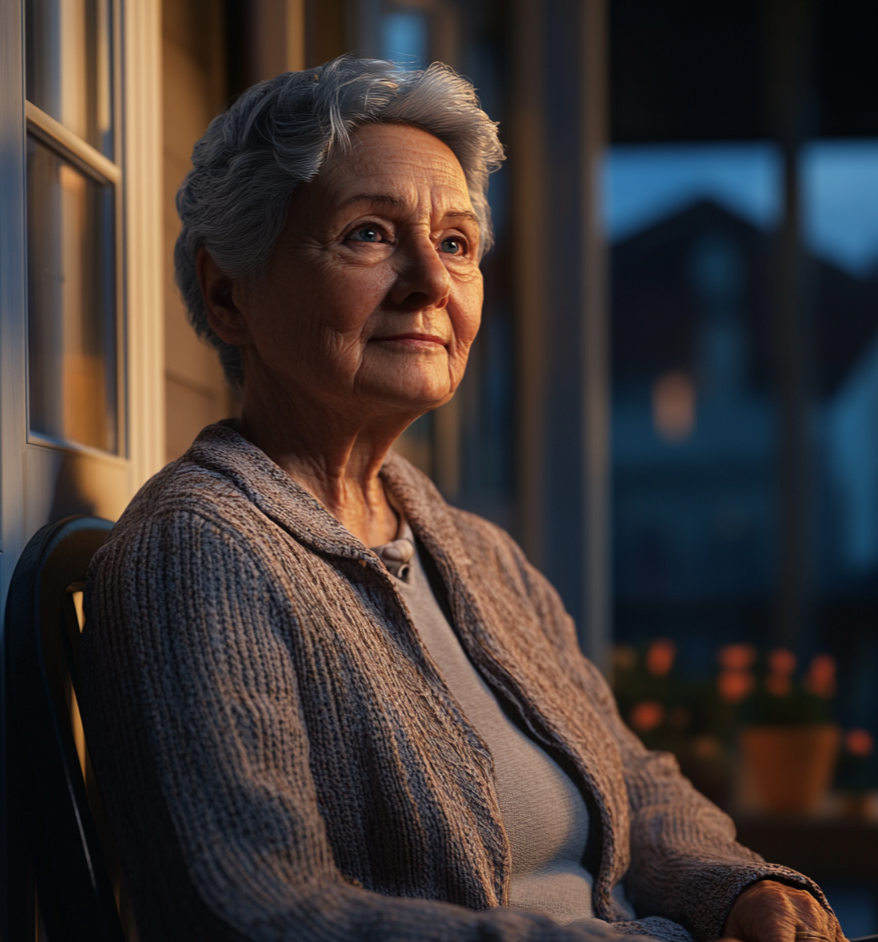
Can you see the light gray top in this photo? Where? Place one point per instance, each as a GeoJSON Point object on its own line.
{"type": "Point", "coordinates": [544, 813]}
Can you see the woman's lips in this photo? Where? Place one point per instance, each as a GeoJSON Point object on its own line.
{"type": "Point", "coordinates": [424, 341]}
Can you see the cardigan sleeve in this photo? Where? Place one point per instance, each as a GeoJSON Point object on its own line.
{"type": "Point", "coordinates": [201, 752]}
{"type": "Point", "coordinates": [685, 862]}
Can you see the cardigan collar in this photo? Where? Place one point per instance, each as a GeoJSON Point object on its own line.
{"type": "Point", "coordinates": [222, 449]}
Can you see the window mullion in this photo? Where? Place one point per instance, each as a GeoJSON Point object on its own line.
{"type": "Point", "coordinates": [54, 133]}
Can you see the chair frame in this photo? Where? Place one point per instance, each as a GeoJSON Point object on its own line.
{"type": "Point", "coordinates": [50, 819]}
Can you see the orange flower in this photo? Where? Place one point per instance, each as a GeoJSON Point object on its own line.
{"type": "Point", "coordinates": [736, 656]}
{"type": "Point", "coordinates": [781, 661]}
{"type": "Point", "coordinates": [779, 685]}
{"type": "Point", "coordinates": [859, 742]}
{"type": "Point", "coordinates": [734, 685]}
{"type": "Point", "coordinates": [646, 715]}
{"type": "Point", "coordinates": [660, 657]}
{"type": "Point", "coordinates": [821, 676]}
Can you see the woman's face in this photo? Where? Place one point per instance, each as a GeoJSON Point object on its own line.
{"type": "Point", "coordinates": [373, 296]}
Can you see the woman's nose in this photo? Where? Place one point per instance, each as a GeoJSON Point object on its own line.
{"type": "Point", "coordinates": [423, 279]}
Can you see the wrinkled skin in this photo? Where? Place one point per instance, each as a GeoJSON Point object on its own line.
{"type": "Point", "coordinates": [769, 911]}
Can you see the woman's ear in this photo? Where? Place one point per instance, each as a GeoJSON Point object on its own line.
{"type": "Point", "coordinates": [223, 314]}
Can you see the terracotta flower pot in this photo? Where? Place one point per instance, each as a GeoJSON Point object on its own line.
{"type": "Point", "coordinates": [791, 767]}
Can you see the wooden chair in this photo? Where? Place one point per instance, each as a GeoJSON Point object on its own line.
{"type": "Point", "coordinates": [54, 815]}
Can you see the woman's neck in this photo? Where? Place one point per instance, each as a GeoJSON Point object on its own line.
{"type": "Point", "coordinates": [336, 458]}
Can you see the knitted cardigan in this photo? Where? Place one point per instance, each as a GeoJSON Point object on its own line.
{"type": "Point", "coordinates": [280, 757]}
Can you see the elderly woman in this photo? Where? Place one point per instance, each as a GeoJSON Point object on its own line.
{"type": "Point", "coordinates": [320, 702]}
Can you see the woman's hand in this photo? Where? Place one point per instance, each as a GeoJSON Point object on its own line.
{"type": "Point", "coordinates": [769, 911]}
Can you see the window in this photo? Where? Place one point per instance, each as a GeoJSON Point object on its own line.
{"type": "Point", "coordinates": [73, 224]}
{"type": "Point", "coordinates": [694, 442]}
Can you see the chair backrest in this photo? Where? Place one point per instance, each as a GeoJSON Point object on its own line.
{"type": "Point", "coordinates": [50, 810]}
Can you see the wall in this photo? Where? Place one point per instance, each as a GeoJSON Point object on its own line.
{"type": "Point", "coordinates": [193, 91]}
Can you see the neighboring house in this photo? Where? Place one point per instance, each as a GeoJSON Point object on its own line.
{"type": "Point", "coordinates": [692, 332]}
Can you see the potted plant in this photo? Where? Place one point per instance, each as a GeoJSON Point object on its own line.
{"type": "Point", "coordinates": [789, 743]}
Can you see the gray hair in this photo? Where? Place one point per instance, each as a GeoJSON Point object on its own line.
{"type": "Point", "coordinates": [234, 201]}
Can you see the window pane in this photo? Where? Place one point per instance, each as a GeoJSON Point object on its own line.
{"type": "Point", "coordinates": [69, 66]}
{"type": "Point", "coordinates": [694, 411]}
{"type": "Point", "coordinates": [71, 302]}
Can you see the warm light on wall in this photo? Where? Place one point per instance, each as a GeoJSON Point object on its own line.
{"type": "Point", "coordinates": [673, 406]}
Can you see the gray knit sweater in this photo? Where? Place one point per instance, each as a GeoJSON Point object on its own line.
{"type": "Point", "coordinates": [280, 758]}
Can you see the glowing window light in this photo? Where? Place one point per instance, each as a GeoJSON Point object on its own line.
{"type": "Point", "coordinates": [673, 406]}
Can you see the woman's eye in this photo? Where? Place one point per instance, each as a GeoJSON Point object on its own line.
{"type": "Point", "coordinates": [366, 234]}
{"type": "Point", "coordinates": [452, 246]}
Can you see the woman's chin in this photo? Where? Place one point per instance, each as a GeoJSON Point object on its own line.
{"type": "Point", "coordinates": [416, 402]}
{"type": "Point", "coordinates": [412, 393]}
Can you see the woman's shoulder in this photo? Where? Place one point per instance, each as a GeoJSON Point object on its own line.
{"type": "Point", "coordinates": [189, 484]}
{"type": "Point", "coordinates": [211, 486]}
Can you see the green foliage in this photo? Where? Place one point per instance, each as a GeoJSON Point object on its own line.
{"type": "Point", "coordinates": [795, 708]}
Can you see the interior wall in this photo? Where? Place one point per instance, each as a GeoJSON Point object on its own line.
{"type": "Point", "coordinates": [193, 92]}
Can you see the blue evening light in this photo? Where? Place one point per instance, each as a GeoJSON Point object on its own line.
{"type": "Point", "coordinates": [404, 39]}
{"type": "Point", "coordinates": [646, 183]}
{"type": "Point", "coordinates": [840, 201]}
{"type": "Point", "coordinates": [839, 179]}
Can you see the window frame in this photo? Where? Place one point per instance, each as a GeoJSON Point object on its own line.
{"type": "Point", "coordinates": [105, 171]}
{"type": "Point", "coordinates": [32, 463]}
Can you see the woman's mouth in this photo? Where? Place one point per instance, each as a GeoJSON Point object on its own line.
{"type": "Point", "coordinates": [414, 340]}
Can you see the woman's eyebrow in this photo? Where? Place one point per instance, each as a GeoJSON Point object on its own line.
{"type": "Point", "coordinates": [461, 213]}
{"type": "Point", "coordinates": [400, 205]}
{"type": "Point", "coordinates": [393, 201]}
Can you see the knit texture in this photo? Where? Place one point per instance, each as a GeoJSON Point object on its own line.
{"type": "Point", "coordinates": [280, 759]}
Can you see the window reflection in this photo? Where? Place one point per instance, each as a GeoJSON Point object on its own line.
{"type": "Point", "coordinates": [69, 66]}
{"type": "Point", "coordinates": [71, 309]}
{"type": "Point", "coordinates": [673, 406]}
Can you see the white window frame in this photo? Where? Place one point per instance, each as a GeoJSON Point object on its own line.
{"type": "Point", "coordinates": [142, 247]}
{"type": "Point", "coordinates": [136, 173]}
